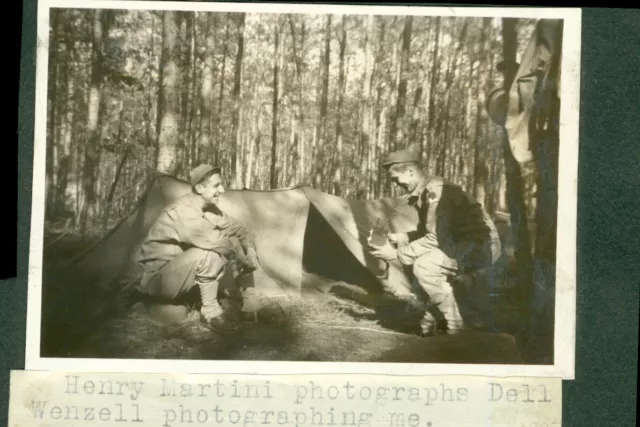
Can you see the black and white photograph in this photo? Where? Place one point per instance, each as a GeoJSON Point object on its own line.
{"type": "Point", "coordinates": [291, 188]}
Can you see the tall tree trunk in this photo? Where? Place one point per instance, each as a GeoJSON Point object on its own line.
{"type": "Point", "coordinates": [256, 135]}
{"type": "Point", "coordinates": [376, 146]}
{"type": "Point", "coordinates": [78, 167]}
{"type": "Point", "coordinates": [185, 89]}
{"type": "Point", "coordinates": [420, 112]}
{"type": "Point", "coordinates": [218, 143]}
{"type": "Point", "coordinates": [413, 134]}
{"type": "Point", "coordinates": [293, 154]}
{"type": "Point", "coordinates": [94, 124]}
{"type": "Point", "coordinates": [366, 107]}
{"type": "Point", "coordinates": [383, 186]}
{"type": "Point", "coordinates": [281, 164]}
{"type": "Point", "coordinates": [64, 167]}
{"type": "Point", "coordinates": [298, 54]}
{"type": "Point", "coordinates": [118, 172]}
{"type": "Point", "coordinates": [273, 175]}
{"type": "Point", "coordinates": [397, 124]}
{"type": "Point", "coordinates": [323, 103]}
{"type": "Point", "coordinates": [206, 91]}
{"type": "Point", "coordinates": [167, 143]}
{"type": "Point", "coordinates": [295, 142]}
{"type": "Point", "coordinates": [479, 147]}
{"type": "Point", "coordinates": [515, 200]}
{"type": "Point", "coordinates": [337, 165]}
{"type": "Point", "coordinates": [236, 129]}
{"type": "Point", "coordinates": [546, 116]}
{"type": "Point", "coordinates": [433, 91]}
{"type": "Point", "coordinates": [191, 131]}
{"type": "Point", "coordinates": [446, 112]}
{"type": "Point", "coordinates": [150, 92]}
{"type": "Point", "coordinates": [50, 189]}
{"type": "Point", "coordinates": [547, 140]}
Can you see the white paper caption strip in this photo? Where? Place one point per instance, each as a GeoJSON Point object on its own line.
{"type": "Point", "coordinates": [41, 398]}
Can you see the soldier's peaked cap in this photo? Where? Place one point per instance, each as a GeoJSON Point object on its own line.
{"type": "Point", "coordinates": [200, 172]}
{"type": "Point", "coordinates": [401, 156]}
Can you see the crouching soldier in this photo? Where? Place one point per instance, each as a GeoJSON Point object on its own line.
{"type": "Point", "coordinates": [454, 236]}
{"type": "Point", "coordinates": [191, 244]}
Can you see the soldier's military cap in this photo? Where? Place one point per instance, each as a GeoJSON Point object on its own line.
{"type": "Point", "coordinates": [401, 156]}
{"type": "Point", "coordinates": [200, 172]}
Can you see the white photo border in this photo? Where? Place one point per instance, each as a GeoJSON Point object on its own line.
{"type": "Point", "coordinates": [565, 307]}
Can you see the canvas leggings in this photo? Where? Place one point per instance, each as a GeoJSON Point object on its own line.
{"type": "Point", "coordinates": [193, 267]}
{"type": "Point", "coordinates": [433, 270]}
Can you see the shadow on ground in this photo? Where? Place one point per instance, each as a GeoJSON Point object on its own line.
{"type": "Point", "coordinates": [336, 324]}
{"type": "Point", "coordinates": [290, 330]}
{"type": "Point", "coordinates": [286, 330]}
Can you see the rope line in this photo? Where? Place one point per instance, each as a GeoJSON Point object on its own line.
{"type": "Point", "coordinates": [361, 328]}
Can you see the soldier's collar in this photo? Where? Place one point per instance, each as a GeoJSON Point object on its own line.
{"type": "Point", "coordinates": [415, 194]}
{"type": "Point", "coordinates": [195, 201]}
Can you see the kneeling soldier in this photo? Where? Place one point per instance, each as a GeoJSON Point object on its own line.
{"type": "Point", "coordinates": [454, 236]}
{"type": "Point", "coordinates": [191, 244]}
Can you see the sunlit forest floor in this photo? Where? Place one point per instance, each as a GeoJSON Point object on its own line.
{"type": "Point", "coordinates": [324, 327]}
{"type": "Point", "coordinates": [289, 330]}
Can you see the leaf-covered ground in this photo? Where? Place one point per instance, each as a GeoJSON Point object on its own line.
{"type": "Point", "coordinates": [289, 329]}
{"type": "Point", "coordinates": [324, 327]}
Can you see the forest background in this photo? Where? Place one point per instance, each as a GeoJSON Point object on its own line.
{"type": "Point", "coordinates": [275, 99]}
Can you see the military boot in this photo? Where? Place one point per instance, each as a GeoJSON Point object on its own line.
{"type": "Point", "coordinates": [428, 325]}
{"type": "Point", "coordinates": [211, 313]}
{"type": "Point", "coordinates": [449, 309]}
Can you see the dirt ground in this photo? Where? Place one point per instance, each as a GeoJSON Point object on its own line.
{"type": "Point", "coordinates": [289, 329]}
{"type": "Point", "coordinates": [83, 322]}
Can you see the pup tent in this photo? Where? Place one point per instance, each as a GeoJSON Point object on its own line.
{"type": "Point", "coordinates": [302, 230]}
{"type": "Point", "coordinates": [297, 230]}
{"type": "Point", "coordinates": [309, 243]}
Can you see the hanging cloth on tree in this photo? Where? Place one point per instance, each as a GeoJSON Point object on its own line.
{"type": "Point", "coordinates": [536, 82]}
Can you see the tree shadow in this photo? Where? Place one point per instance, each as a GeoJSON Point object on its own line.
{"type": "Point", "coordinates": [332, 270]}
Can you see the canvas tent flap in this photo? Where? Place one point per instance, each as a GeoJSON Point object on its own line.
{"type": "Point", "coordinates": [278, 220]}
{"type": "Point", "coordinates": [115, 255]}
{"type": "Point", "coordinates": [352, 220]}
{"type": "Point", "coordinates": [276, 217]}
{"type": "Point", "coordinates": [539, 71]}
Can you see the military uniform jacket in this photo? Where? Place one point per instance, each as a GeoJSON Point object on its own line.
{"type": "Point", "coordinates": [184, 225]}
{"type": "Point", "coordinates": [447, 213]}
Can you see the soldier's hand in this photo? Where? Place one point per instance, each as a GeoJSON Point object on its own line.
{"type": "Point", "coordinates": [252, 258]}
{"type": "Point", "coordinates": [398, 239]}
{"type": "Point", "coordinates": [386, 252]}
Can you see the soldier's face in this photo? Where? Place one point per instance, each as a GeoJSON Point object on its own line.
{"type": "Point", "coordinates": [406, 180]}
{"type": "Point", "coordinates": [211, 189]}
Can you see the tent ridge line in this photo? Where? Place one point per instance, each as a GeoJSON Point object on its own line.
{"type": "Point", "coordinates": [150, 183]}
{"type": "Point", "coordinates": [151, 180]}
